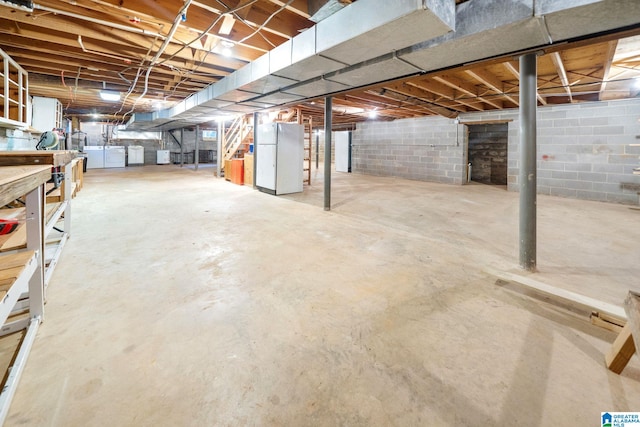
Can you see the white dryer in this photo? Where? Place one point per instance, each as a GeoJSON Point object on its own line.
{"type": "Point", "coordinates": [114, 156]}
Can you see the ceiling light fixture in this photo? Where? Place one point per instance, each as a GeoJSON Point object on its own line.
{"type": "Point", "coordinates": [110, 95]}
{"type": "Point", "coordinates": [226, 48]}
{"type": "Point", "coordinates": [373, 114]}
{"type": "Point", "coordinates": [636, 83]}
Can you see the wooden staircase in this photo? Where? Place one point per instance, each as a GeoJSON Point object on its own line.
{"type": "Point", "coordinates": [237, 139]}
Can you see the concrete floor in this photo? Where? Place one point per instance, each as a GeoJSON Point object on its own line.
{"type": "Point", "coordinates": [185, 300]}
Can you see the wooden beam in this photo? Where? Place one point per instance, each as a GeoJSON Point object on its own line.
{"type": "Point", "coordinates": [621, 351]}
{"type": "Point", "coordinates": [632, 308]}
{"type": "Point", "coordinates": [435, 109]}
{"type": "Point", "coordinates": [446, 92]}
{"type": "Point", "coordinates": [492, 82]}
{"type": "Point", "coordinates": [299, 7]}
{"type": "Point", "coordinates": [611, 51]}
{"type": "Point", "coordinates": [562, 73]}
{"type": "Point", "coordinates": [414, 90]}
{"type": "Point", "coordinates": [601, 321]}
{"type": "Point", "coordinates": [512, 69]}
{"type": "Point", "coordinates": [467, 88]}
{"type": "Point", "coordinates": [566, 298]}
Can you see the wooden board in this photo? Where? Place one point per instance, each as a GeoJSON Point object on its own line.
{"type": "Point", "coordinates": [632, 307]}
{"type": "Point", "coordinates": [248, 169]}
{"type": "Point", "coordinates": [227, 170]}
{"type": "Point", "coordinates": [568, 298]}
{"type": "Point", "coordinates": [37, 157]}
{"type": "Point", "coordinates": [16, 181]}
{"type": "Point", "coordinates": [18, 238]}
{"type": "Point", "coordinates": [621, 351]}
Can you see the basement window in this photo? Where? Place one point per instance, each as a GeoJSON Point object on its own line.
{"type": "Point", "coordinates": [209, 135]}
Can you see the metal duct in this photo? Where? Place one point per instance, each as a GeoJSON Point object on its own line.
{"type": "Point", "coordinates": [321, 9]}
{"type": "Point", "coordinates": [499, 27]}
{"type": "Point", "coordinates": [483, 30]}
{"type": "Point", "coordinates": [380, 69]}
{"type": "Point", "coordinates": [567, 19]}
{"type": "Point", "coordinates": [354, 46]}
{"type": "Point", "coordinates": [302, 63]}
{"type": "Point", "coordinates": [359, 32]}
{"type": "Point", "coordinates": [368, 29]}
{"type": "Point", "coordinates": [316, 87]}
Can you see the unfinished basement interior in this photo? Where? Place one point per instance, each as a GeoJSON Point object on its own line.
{"type": "Point", "coordinates": [320, 212]}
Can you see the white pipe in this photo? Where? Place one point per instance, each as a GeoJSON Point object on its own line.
{"type": "Point", "coordinates": [98, 21]}
{"type": "Point", "coordinates": [166, 42]}
{"type": "Point", "coordinates": [93, 52]}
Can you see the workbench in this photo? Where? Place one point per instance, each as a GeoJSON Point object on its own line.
{"type": "Point", "coordinates": [58, 202]}
{"type": "Point", "coordinates": [21, 272]}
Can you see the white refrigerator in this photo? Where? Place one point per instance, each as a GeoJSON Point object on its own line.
{"type": "Point", "coordinates": [280, 158]}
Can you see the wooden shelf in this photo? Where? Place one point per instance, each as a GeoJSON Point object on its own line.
{"type": "Point", "coordinates": [15, 272]}
{"type": "Point", "coordinates": [21, 272]}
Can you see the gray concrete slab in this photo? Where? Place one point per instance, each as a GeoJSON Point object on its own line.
{"type": "Point", "coordinates": [182, 299]}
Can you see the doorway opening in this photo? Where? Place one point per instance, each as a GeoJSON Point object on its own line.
{"type": "Point", "coordinates": [488, 153]}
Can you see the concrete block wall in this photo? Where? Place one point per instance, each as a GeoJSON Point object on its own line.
{"type": "Point", "coordinates": [427, 148]}
{"type": "Point", "coordinates": [189, 142]}
{"type": "Point", "coordinates": [584, 149]}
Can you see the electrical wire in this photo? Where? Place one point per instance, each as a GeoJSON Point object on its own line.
{"type": "Point", "coordinates": [206, 31]}
{"type": "Point", "coordinates": [264, 24]}
{"type": "Point", "coordinates": [153, 61]}
{"type": "Point", "coordinates": [245, 22]}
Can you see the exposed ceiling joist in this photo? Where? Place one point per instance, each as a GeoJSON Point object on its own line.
{"type": "Point", "coordinates": [562, 73]}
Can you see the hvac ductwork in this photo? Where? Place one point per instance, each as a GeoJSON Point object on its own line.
{"type": "Point", "coordinates": [376, 40]}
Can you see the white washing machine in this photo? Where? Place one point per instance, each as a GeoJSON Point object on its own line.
{"type": "Point", "coordinates": [95, 156]}
{"type": "Point", "coordinates": [163, 157]}
{"type": "Point", "coordinates": [136, 155]}
{"type": "Point", "coordinates": [114, 156]}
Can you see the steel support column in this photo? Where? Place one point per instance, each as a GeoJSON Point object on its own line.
{"type": "Point", "coordinates": [219, 159]}
{"type": "Point", "coordinates": [196, 153]}
{"type": "Point", "coordinates": [528, 175]}
{"type": "Point", "coordinates": [327, 153]}
{"type": "Point", "coordinates": [317, 149]}
{"type": "Point", "coordinates": [256, 120]}
{"type": "Point", "coordinates": [181, 147]}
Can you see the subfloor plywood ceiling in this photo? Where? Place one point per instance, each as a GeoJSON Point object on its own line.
{"type": "Point", "coordinates": [158, 53]}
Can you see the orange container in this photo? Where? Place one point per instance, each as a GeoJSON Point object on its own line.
{"type": "Point", "coordinates": [237, 171]}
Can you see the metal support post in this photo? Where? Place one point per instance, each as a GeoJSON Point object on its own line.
{"type": "Point", "coordinates": [528, 175]}
{"type": "Point", "coordinates": [196, 153]}
{"type": "Point", "coordinates": [256, 120]}
{"type": "Point", "coordinates": [35, 242]}
{"type": "Point", "coordinates": [181, 147]}
{"type": "Point", "coordinates": [219, 159]}
{"type": "Point", "coordinates": [327, 153]}
{"type": "Point", "coordinates": [317, 149]}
